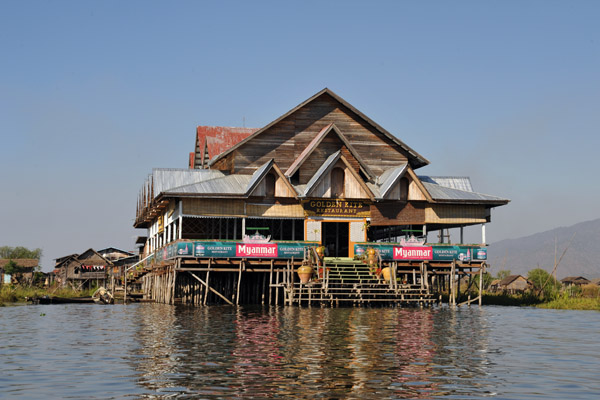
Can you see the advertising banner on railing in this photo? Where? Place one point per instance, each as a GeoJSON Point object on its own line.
{"type": "Point", "coordinates": [209, 249]}
{"type": "Point", "coordinates": [256, 250]}
{"type": "Point", "coordinates": [421, 253]}
{"type": "Point", "coordinates": [393, 251]}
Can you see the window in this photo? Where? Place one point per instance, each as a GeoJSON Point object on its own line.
{"type": "Point", "coordinates": [403, 189]}
{"type": "Point", "coordinates": [337, 182]}
{"type": "Point", "coordinates": [270, 185]}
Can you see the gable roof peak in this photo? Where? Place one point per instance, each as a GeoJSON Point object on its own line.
{"type": "Point", "coordinates": [415, 159]}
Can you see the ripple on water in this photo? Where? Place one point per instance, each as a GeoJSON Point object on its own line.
{"type": "Point", "coordinates": [159, 351]}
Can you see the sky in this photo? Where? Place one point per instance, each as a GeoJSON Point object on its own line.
{"type": "Point", "coordinates": [94, 94]}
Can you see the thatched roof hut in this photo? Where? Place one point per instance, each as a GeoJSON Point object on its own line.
{"type": "Point", "coordinates": [513, 284]}
{"type": "Point", "coordinates": [575, 281]}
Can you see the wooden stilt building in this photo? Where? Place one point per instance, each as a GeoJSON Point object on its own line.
{"type": "Point", "coordinates": [257, 204]}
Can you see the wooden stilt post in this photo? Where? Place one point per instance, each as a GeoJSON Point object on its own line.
{"type": "Point", "coordinates": [291, 273]}
{"type": "Point", "coordinates": [451, 284]}
{"type": "Point", "coordinates": [270, 282]}
{"type": "Point", "coordinates": [239, 282]}
{"type": "Point", "coordinates": [124, 285]}
{"type": "Point", "coordinates": [207, 282]}
{"type": "Point", "coordinates": [458, 284]}
{"type": "Point", "coordinates": [481, 269]}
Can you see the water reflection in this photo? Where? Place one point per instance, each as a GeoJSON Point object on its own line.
{"type": "Point", "coordinates": [158, 351]}
{"type": "Point", "coordinates": [310, 352]}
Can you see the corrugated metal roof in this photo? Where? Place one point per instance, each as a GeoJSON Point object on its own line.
{"type": "Point", "coordinates": [332, 159]}
{"type": "Point", "coordinates": [258, 175]}
{"type": "Point", "coordinates": [442, 193]}
{"type": "Point", "coordinates": [226, 185]}
{"type": "Point", "coordinates": [453, 182]}
{"type": "Point", "coordinates": [166, 179]}
{"type": "Point", "coordinates": [219, 138]}
{"type": "Point", "coordinates": [388, 178]}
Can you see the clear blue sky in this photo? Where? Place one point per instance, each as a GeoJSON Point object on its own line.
{"type": "Point", "coordinates": [94, 94]}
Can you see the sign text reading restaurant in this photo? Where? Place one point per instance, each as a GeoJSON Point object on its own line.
{"type": "Point", "coordinates": [336, 208]}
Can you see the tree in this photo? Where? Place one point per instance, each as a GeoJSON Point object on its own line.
{"type": "Point", "coordinates": [544, 283]}
{"type": "Point", "coordinates": [19, 252]}
{"type": "Point", "coordinates": [487, 281]}
{"type": "Point", "coordinates": [12, 268]}
{"type": "Point", "coordinates": [503, 273]}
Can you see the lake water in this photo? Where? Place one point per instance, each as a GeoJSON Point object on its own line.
{"type": "Point", "coordinates": [157, 351]}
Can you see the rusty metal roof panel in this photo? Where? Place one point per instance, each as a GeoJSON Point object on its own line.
{"type": "Point", "coordinates": [219, 138]}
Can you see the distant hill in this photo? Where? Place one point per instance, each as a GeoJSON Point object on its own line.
{"type": "Point", "coordinates": [523, 254]}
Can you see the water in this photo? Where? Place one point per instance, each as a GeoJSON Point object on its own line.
{"type": "Point", "coordinates": [157, 351]}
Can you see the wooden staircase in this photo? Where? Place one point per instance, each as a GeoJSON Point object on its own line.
{"type": "Point", "coordinates": [345, 281]}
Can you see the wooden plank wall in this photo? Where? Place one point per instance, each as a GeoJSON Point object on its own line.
{"type": "Point", "coordinates": [456, 214]}
{"type": "Point", "coordinates": [285, 140]}
{"type": "Point", "coordinates": [397, 213]}
{"type": "Point", "coordinates": [213, 207]}
{"type": "Point", "coordinates": [352, 188]}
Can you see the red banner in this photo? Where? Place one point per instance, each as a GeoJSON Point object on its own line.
{"type": "Point", "coordinates": [413, 253]}
{"type": "Point", "coordinates": [255, 250]}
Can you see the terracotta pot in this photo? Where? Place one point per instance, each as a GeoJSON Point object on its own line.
{"type": "Point", "coordinates": [304, 273]}
{"type": "Point", "coordinates": [387, 272]}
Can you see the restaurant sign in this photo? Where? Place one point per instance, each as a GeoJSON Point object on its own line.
{"type": "Point", "coordinates": [391, 251]}
{"type": "Point", "coordinates": [336, 208]}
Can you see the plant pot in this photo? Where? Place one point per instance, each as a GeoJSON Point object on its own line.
{"type": "Point", "coordinates": [304, 273]}
{"type": "Point", "coordinates": [387, 272]}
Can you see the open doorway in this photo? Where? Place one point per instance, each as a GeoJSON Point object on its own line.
{"type": "Point", "coordinates": [335, 238]}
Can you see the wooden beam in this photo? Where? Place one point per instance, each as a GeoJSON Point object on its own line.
{"type": "Point", "coordinates": [211, 289]}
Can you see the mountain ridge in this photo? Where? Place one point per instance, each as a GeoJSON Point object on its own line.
{"type": "Point", "coordinates": [581, 258]}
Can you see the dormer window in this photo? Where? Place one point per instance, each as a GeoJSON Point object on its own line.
{"type": "Point", "coordinates": [403, 189]}
{"type": "Point", "coordinates": [337, 182]}
{"type": "Point", "coordinates": [270, 185]}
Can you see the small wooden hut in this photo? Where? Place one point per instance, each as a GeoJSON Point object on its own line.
{"type": "Point", "coordinates": [81, 271]}
{"type": "Point", "coordinates": [512, 284]}
{"type": "Point", "coordinates": [323, 174]}
{"type": "Point", "coordinates": [570, 281]}
{"type": "Point", "coordinates": [28, 266]}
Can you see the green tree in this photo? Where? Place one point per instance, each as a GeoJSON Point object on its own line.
{"type": "Point", "coordinates": [19, 252]}
{"type": "Point", "coordinates": [503, 273]}
{"type": "Point", "coordinates": [544, 283]}
{"type": "Point", "coordinates": [487, 281]}
{"type": "Point", "coordinates": [12, 268]}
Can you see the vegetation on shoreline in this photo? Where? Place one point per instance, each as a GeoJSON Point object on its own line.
{"type": "Point", "coordinates": [20, 294]}
{"type": "Point", "coordinates": [546, 292]}
{"type": "Point", "coordinates": [563, 302]}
